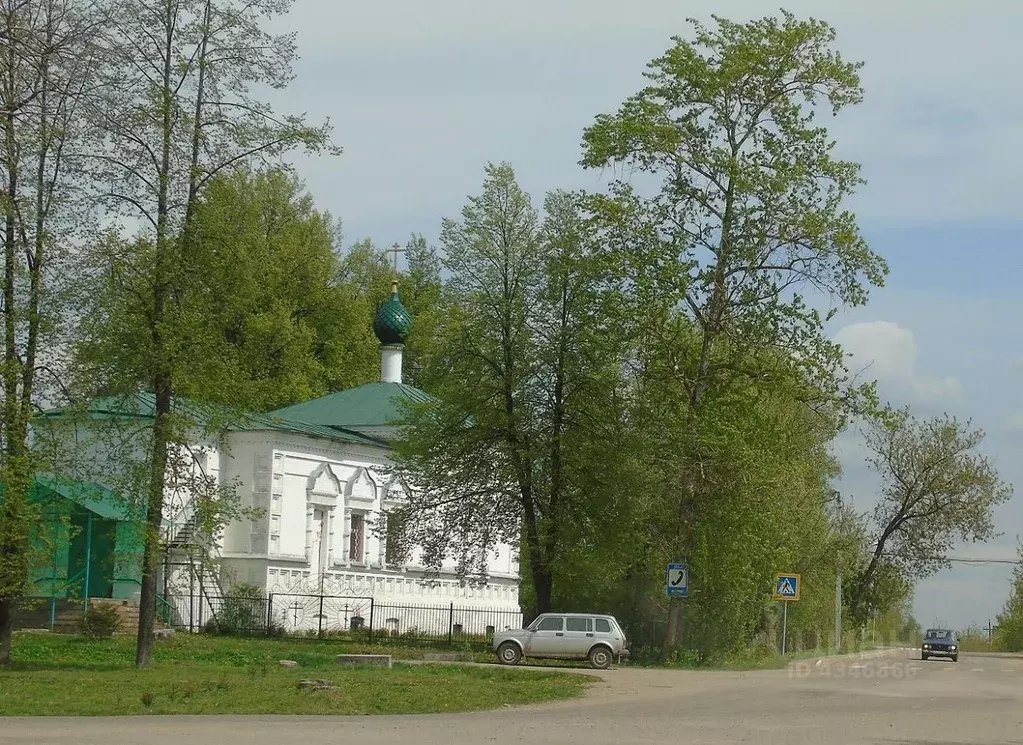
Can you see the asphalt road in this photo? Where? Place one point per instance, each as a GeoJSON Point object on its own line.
{"type": "Point", "coordinates": [978, 700]}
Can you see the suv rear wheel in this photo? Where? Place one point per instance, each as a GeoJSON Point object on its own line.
{"type": "Point", "coordinates": [600, 657]}
{"type": "Point", "coordinates": [509, 653]}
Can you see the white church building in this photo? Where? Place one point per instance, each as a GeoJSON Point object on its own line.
{"type": "Point", "coordinates": [314, 478]}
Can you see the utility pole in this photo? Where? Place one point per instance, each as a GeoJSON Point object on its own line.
{"type": "Point", "coordinates": [837, 495]}
{"type": "Point", "coordinates": [838, 610]}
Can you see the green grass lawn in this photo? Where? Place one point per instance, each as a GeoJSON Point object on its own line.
{"type": "Point", "coordinates": [62, 675]}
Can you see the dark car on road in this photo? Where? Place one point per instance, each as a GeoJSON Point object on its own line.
{"type": "Point", "coordinates": [940, 643]}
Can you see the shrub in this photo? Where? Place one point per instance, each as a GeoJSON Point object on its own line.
{"type": "Point", "coordinates": [242, 612]}
{"type": "Point", "coordinates": [101, 622]}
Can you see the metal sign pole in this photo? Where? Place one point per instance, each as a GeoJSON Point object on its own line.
{"type": "Point", "coordinates": [784, 624]}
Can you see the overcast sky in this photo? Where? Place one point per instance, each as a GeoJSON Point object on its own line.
{"type": "Point", "coordinates": [424, 94]}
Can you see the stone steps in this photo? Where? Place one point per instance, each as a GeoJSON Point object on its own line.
{"type": "Point", "coordinates": [67, 620]}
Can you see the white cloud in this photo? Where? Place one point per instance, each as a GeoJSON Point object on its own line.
{"type": "Point", "coordinates": [1014, 422]}
{"type": "Point", "coordinates": [887, 352]}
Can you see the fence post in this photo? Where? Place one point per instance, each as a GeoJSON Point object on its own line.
{"type": "Point", "coordinates": [319, 619]}
{"type": "Point", "coordinates": [269, 613]}
{"type": "Point", "coordinates": [451, 622]}
{"type": "Point", "coordinates": [371, 609]}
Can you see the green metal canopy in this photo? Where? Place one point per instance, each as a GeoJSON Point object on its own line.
{"type": "Point", "coordinates": [94, 497]}
{"type": "Point", "coordinates": [91, 537]}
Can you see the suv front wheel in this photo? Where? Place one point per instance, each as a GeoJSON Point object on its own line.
{"type": "Point", "coordinates": [509, 654]}
{"type": "Point", "coordinates": [600, 658]}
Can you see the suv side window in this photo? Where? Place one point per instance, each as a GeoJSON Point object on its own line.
{"type": "Point", "coordinates": [551, 623]}
{"type": "Point", "coordinates": [579, 624]}
{"type": "Point", "coordinates": [603, 626]}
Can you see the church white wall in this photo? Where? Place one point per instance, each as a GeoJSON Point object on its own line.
{"type": "Point", "coordinates": [112, 454]}
{"type": "Point", "coordinates": [310, 490]}
{"type": "Point", "coordinates": [238, 467]}
{"type": "Point", "coordinates": [104, 453]}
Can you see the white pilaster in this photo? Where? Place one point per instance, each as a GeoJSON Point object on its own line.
{"type": "Point", "coordinates": [330, 538]}
{"type": "Point", "coordinates": [309, 533]}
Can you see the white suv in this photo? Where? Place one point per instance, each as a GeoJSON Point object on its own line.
{"type": "Point", "coordinates": [570, 636]}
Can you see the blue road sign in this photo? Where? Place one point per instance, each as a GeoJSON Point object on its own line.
{"type": "Point", "coordinates": [677, 581]}
{"type": "Point", "coordinates": [787, 586]}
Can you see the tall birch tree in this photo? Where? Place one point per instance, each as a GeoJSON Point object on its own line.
{"type": "Point", "coordinates": [48, 67]}
{"type": "Point", "coordinates": [179, 109]}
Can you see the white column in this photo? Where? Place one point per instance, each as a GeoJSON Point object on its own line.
{"type": "Point", "coordinates": [346, 529]}
{"type": "Point", "coordinates": [374, 556]}
{"type": "Point", "coordinates": [390, 363]}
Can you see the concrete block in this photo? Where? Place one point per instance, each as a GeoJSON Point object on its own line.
{"type": "Point", "coordinates": [374, 660]}
{"type": "Point", "coordinates": [316, 685]}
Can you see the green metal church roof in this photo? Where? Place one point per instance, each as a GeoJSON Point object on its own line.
{"type": "Point", "coordinates": [370, 405]}
{"type": "Point", "coordinates": [142, 405]}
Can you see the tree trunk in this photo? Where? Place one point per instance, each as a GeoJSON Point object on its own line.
{"type": "Point", "coordinates": [676, 606]}
{"type": "Point", "coordinates": [673, 633]}
{"type": "Point", "coordinates": [154, 520]}
{"type": "Point", "coordinates": [543, 584]}
{"type": "Point", "coordinates": [6, 629]}
{"type": "Point", "coordinates": [163, 387]}
{"type": "Point", "coordinates": [15, 530]}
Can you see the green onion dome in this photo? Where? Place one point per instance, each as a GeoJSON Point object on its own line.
{"type": "Point", "coordinates": [393, 322]}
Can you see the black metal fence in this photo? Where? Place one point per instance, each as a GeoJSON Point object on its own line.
{"type": "Point", "coordinates": [216, 613]}
{"type": "Point", "coordinates": [351, 617]}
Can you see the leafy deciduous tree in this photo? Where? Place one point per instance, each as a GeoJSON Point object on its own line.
{"type": "Point", "coordinates": [1010, 620]}
{"type": "Point", "coordinates": [270, 289]}
{"type": "Point", "coordinates": [935, 488]}
{"type": "Point", "coordinates": [530, 374]}
{"type": "Point", "coordinates": [746, 214]}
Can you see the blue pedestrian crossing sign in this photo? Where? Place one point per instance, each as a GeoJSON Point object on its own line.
{"type": "Point", "coordinates": [786, 587]}
{"type": "Point", "coordinates": [677, 581]}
